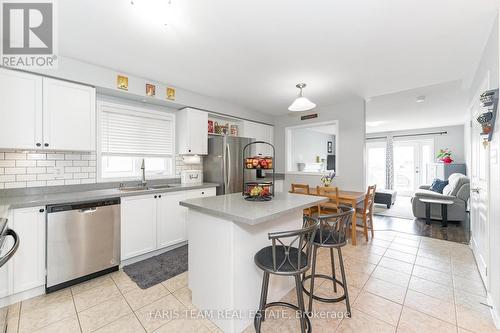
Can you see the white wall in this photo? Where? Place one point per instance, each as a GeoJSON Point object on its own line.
{"type": "Point", "coordinates": [104, 79]}
{"type": "Point", "coordinates": [454, 140]}
{"type": "Point", "coordinates": [307, 144]}
{"type": "Point", "coordinates": [489, 67]}
{"type": "Point", "coordinates": [351, 144]}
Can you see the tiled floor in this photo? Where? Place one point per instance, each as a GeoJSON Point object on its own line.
{"type": "Point", "coordinates": [397, 282]}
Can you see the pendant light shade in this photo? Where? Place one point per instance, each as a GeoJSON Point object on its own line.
{"type": "Point", "coordinates": [301, 103]}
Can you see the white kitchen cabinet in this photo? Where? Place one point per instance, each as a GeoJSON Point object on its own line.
{"type": "Point", "coordinates": [28, 263]}
{"type": "Point", "coordinates": [6, 278]}
{"type": "Point", "coordinates": [20, 110]}
{"type": "Point", "coordinates": [138, 225]}
{"type": "Point", "coordinates": [43, 113]}
{"type": "Point", "coordinates": [68, 116]}
{"type": "Point", "coordinates": [171, 219]}
{"type": "Point", "coordinates": [192, 132]}
{"type": "Point", "coordinates": [260, 132]}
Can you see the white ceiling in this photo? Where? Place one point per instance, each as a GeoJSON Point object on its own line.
{"type": "Point", "coordinates": [445, 104]}
{"type": "Point", "coordinates": [253, 53]}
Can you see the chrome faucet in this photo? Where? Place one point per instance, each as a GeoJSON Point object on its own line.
{"type": "Point", "coordinates": [143, 168]}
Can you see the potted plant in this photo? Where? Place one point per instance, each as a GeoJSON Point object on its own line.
{"type": "Point", "coordinates": [445, 156]}
{"type": "Point", "coordinates": [327, 180]}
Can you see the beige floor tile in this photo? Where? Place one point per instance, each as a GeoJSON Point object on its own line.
{"type": "Point", "coordinates": [13, 314]}
{"type": "Point", "coordinates": [386, 290]}
{"type": "Point", "coordinates": [407, 236]}
{"type": "Point", "coordinates": [357, 279]}
{"type": "Point", "coordinates": [184, 296]}
{"type": "Point", "coordinates": [35, 317]}
{"type": "Point", "coordinates": [412, 321]}
{"type": "Point", "coordinates": [362, 323]}
{"type": "Point", "coordinates": [141, 297]}
{"type": "Point", "coordinates": [160, 312]}
{"type": "Point", "coordinates": [433, 254]}
{"type": "Point", "coordinates": [432, 275]}
{"type": "Point", "coordinates": [434, 307]}
{"type": "Point", "coordinates": [68, 325]}
{"type": "Point", "coordinates": [475, 321]}
{"type": "Point", "coordinates": [46, 299]}
{"type": "Point", "coordinates": [398, 278]}
{"type": "Point", "coordinates": [87, 285]}
{"type": "Point", "coordinates": [434, 264]}
{"type": "Point", "coordinates": [287, 323]}
{"type": "Point", "coordinates": [126, 324]}
{"type": "Point", "coordinates": [177, 282]}
{"type": "Point", "coordinates": [398, 255]}
{"type": "Point", "coordinates": [183, 326]}
{"type": "Point", "coordinates": [385, 235]}
{"type": "Point", "coordinates": [470, 286]}
{"type": "Point", "coordinates": [123, 281]}
{"type": "Point", "coordinates": [471, 301]}
{"type": "Point", "coordinates": [407, 242]}
{"type": "Point", "coordinates": [99, 294]}
{"type": "Point", "coordinates": [430, 288]}
{"type": "Point", "coordinates": [380, 242]}
{"type": "Point", "coordinates": [404, 248]}
{"type": "Point", "coordinates": [103, 314]}
{"type": "Point", "coordinates": [326, 290]}
{"type": "Point", "coordinates": [378, 307]}
{"type": "Point", "coordinates": [396, 265]}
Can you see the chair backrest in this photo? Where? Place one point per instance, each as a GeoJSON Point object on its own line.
{"type": "Point", "coordinates": [370, 199]}
{"type": "Point", "coordinates": [301, 239]}
{"type": "Point", "coordinates": [333, 227]}
{"type": "Point", "coordinates": [300, 188]}
{"type": "Point", "coordinates": [331, 192]}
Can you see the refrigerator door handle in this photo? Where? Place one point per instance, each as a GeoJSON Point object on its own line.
{"type": "Point", "coordinates": [229, 166]}
{"type": "Point", "coordinates": [224, 169]}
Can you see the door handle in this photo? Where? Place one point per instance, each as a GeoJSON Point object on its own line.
{"type": "Point", "coordinates": [229, 162]}
{"type": "Point", "coordinates": [475, 190]}
{"type": "Point", "coordinates": [13, 250]}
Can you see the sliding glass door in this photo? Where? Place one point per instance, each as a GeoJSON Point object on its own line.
{"type": "Point", "coordinates": [376, 163]}
{"type": "Point", "coordinates": [410, 163]}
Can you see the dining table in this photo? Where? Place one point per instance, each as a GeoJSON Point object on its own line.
{"type": "Point", "coordinates": [351, 198]}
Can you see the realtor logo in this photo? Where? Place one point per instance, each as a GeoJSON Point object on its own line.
{"type": "Point", "coordinates": [28, 32]}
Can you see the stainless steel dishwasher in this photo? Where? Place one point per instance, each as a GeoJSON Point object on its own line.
{"type": "Point", "coordinates": [83, 241]}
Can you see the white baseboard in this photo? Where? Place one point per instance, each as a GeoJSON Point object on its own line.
{"type": "Point", "coordinates": [150, 254]}
{"type": "Point", "coordinates": [22, 296]}
{"type": "Point", "coordinates": [494, 313]}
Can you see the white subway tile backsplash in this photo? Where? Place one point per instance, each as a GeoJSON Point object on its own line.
{"type": "Point", "coordinates": [15, 171]}
{"type": "Point", "coordinates": [81, 175]}
{"type": "Point", "coordinates": [37, 183]}
{"type": "Point", "coordinates": [5, 164]}
{"type": "Point", "coordinates": [36, 156]}
{"type": "Point", "coordinates": [15, 185]}
{"type": "Point", "coordinates": [80, 163]}
{"type": "Point", "coordinates": [88, 180]}
{"type": "Point", "coordinates": [15, 156]}
{"type": "Point", "coordinates": [21, 178]}
{"type": "Point", "coordinates": [55, 156]}
{"type": "Point", "coordinates": [88, 169]}
{"type": "Point", "coordinates": [1, 171]}
{"type": "Point", "coordinates": [46, 176]}
{"type": "Point", "coordinates": [92, 163]}
{"type": "Point", "coordinates": [7, 178]}
{"type": "Point", "coordinates": [25, 163]}
{"type": "Point", "coordinates": [72, 169]}
{"type": "Point", "coordinates": [72, 157]}
{"type": "Point", "coordinates": [2, 156]}
{"type": "Point", "coordinates": [89, 157]}
{"type": "Point", "coordinates": [46, 163]}
{"type": "Point", "coordinates": [55, 182]}
{"type": "Point", "coordinates": [72, 182]}
{"type": "Point", "coordinates": [64, 163]}
{"type": "Point", "coordinates": [36, 170]}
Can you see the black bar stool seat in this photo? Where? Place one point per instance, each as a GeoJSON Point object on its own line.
{"type": "Point", "coordinates": [286, 260]}
{"type": "Point", "coordinates": [331, 234]}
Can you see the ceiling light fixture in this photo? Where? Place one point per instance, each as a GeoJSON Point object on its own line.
{"type": "Point", "coordinates": [301, 103]}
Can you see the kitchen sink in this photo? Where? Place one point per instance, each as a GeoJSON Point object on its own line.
{"type": "Point", "coordinates": [159, 187]}
{"type": "Point", "coordinates": [133, 188]}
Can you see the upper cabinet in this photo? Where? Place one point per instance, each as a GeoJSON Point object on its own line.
{"type": "Point", "coordinates": [191, 129]}
{"type": "Point", "coordinates": [20, 110]}
{"type": "Point", "coordinates": [44, 113]}
{"type": "Point", "coordinates": [68, 115]}
{"type": "Point", "coordinates": [260, 132]}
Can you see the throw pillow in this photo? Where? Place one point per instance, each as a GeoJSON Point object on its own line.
{"type": "Point", "coordinates": [438, 185]}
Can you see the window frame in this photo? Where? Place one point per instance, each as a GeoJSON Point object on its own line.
{"type": "Point", "coordinates": [126, 107]}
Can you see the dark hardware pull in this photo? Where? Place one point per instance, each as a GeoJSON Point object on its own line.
{"type": "Point", "coordinates": [159, 196]}
{"type": "Point", "coordinates": [38, 144]}
{"type": "Point", "coordinates": [202, 192]}
{"type": "Point", "coordinates": [41, 210]}
{"type": "Point", "coordinates": [189, 150]}
{"type": "Point", "coordinates": [46, 144]}
{"type": "Point", "coordinates": [156, 196]}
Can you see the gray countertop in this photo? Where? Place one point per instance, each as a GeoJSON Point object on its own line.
{"type": "Point", "coordinates": [235, 208]}
{"type": "Point", "coordinates": [43, 199]}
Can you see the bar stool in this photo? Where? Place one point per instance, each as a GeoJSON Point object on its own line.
{"type": "Point", "coordinates": [286, 260]}
{"type": "Point", "coordinates": [331, 234]}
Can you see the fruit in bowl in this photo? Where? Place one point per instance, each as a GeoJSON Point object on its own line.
{"type": "Point", "coordinates": [259, 191]}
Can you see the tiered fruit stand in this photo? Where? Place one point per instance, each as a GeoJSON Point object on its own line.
{"type": "Point", "coordinates": [258, 191]}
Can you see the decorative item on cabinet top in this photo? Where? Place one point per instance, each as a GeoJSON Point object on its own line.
{"type": "Point", "coordinates": [171, 93]}
{"type": "Point", "coordinates": [122, 82]}
{"type": "Point", "coordinates": [150, 90]}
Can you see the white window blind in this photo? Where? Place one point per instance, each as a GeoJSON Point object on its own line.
{"type": "Point", "coordinates": [127, 132]}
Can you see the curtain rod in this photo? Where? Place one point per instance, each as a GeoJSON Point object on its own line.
{"type": "Point", "coordinates": [406, 135]}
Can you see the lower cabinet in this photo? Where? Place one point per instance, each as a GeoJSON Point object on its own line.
{"type": "Point", "coordinates": [152, 222]}
{"type": "Point", "coordinates": [26, 269]}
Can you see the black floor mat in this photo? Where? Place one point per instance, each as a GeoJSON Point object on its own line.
{"type": "Point", "coordinates": [152, 271]}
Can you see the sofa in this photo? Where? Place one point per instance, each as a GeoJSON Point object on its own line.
{"type": "Point", "coordinates": [458, 190]}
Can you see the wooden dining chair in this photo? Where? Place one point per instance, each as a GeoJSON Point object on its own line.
{"type": "Point", "coordinates": [332, 193]}
{"type": "Point", "coordinates": [365, 210]}
{"type": "Point", "coordinates": [304, 189]}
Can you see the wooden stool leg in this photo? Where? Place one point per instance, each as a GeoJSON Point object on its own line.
{"type": "Point", "coordinates": [365, 226]}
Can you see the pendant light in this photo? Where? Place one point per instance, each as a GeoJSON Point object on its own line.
{"type": "Point", "coordinates": [301, 103]}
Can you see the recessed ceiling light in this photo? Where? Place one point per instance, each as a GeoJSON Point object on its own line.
{"type": "Point", "coordinates": [420, 99]}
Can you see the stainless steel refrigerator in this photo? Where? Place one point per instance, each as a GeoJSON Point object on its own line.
{"type": "Point", "coordinates": [224, 163]}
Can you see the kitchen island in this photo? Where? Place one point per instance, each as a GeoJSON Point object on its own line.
{"type": "Point", "coordinates": [224, 233]}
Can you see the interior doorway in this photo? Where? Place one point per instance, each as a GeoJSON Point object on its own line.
{"type": "Point", "coordinates": [411, 157]}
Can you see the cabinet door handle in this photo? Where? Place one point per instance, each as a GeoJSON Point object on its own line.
{"type": "Point", "coordinates": [156, 196]}
{"type": "Point", "coordinates": [38, 144]}
{"type": "Point", "coordinates": [189, 150]}
{"type": "Point", "coordinates": [46, 144]}
{"type": "Point", "coordinates": [41, 210]}
{"type": "Point", "coordinates": [159, 196]}
{"type": "Point", "coordinates": [202, 192]}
